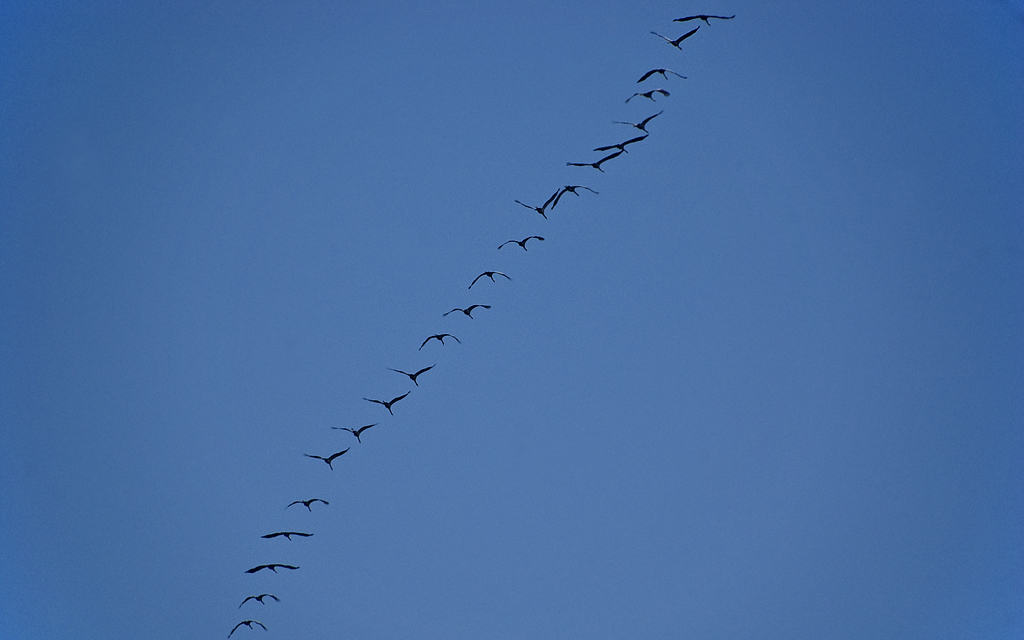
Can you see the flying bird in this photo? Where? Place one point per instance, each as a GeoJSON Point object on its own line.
{"type": "Point", "coordinates": [522, 243]}
{"type": "Point", "coordinates": [273, 567]}
{"type": "Point", "coordinates": [287, 534]}
{"type": "Point", "coordinates": [331, 458]}
{"type": "Point", "coordinates": [259, 599]}
{"type": "Point", "coordinates": [489, 274]}
{"type": "Point", "coordinates": [642, 124]}
{"type": "Point", "coordinates": [387, 405]}
{"type": "Point", "coordinates": [247, 623]}
{"type": "Point", "coordinates": [675, 43]}
{"type": "Point", "coordinates": [704, 18]}
{"type": "Point", "coordinates": [649, 94]}
{"type": "Point", "coordinates": [469, 310]}
{"type": "Point", "coordinates": [413, 376]}
{"type": "Point", "coordinates": [306, 503]}
{"type": "Point", "coordinates": [358, 432]}
{"type": "Point", "coordinates": [621, 145]}
{"type": "Point", "coordinates": [570, 188]}
{"type": "Point", "coordinates": [541, 208]}
{"type": "Point", "coordinates": [440, 338]}
{"type": "Point", "coordinates": [659, 71]}
{"type": "Point", "coordinates": [596, 165]}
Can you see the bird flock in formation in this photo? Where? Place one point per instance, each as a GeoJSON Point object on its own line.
{"type": "Point", "coordinates": [543, 210]}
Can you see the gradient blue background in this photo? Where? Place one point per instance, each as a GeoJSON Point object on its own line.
{"type": "Point", "coordinates": [767, 384]}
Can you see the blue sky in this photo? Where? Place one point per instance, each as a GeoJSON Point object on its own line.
{"type": "Point", "coordinates": [765, 384]}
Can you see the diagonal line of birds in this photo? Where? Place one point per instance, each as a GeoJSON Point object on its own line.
{"type": "Point", "coordinates": [547, 207]}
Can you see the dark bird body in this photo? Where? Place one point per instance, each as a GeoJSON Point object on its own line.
{"type": "Point", "coordinates": [306, 503]}
{"type": "Point", "coordinates": [642, 125]}
{"type": "Point", "coordinates": [273, 567]}
{"type": "Point", "coordinates": [596, 165]}
{"type": "Point", "coordinates": [649, 94]}
{"type": "Point", "coordinates": [287, 534]}
{"type": "Point", "coordinates": [387, 405]}
{"type": "Point", "coordinates": [247, 623]}
{"type": "Point", "coordinates": [541, 208]}
{"type": "Point", "coordinates": [440, 338]}
{"type": "Point", "coordinates": [675, 43]}
{"type": "Point", "coordinates": [521, 243]}
{"type": "Point", "coordinates": [329, 459]}
{"type": "Point", "coordinates": [704, 18]}
{"type": "Point", "coordinates": [259, 598]}
{"type": "Point", "coordinates": [469, 310]}
{"type": "Point", "coordinates": [663, 73]}
{"type": "Point", "coordinates": [570, 188]}
{"type": "Point", "coordinates": [489, 274]}
{"type": "Point", "coordinates": [622, 145]}
{"type": "Point", "coordinates": [413, 376]}
{"type": "Point", "coordinates": [358, 432]}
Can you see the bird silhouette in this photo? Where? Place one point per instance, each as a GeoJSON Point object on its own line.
{"type": "Point", "coordinates": [621, 145]}
{"type": "Point", "coordinates": [675, 43]}
{"type": "Point", "coordinates": [387, 405]}
{"type": "Point", "coordinates": [570, 188]}
{"type": "Point", "coordinates": [273, 567]}
{"type": "Point", "coordinates": [259, 599]}
{"type": "Point", "coordinates": [413, 376]}
{"type": "Point", "coordinates": [440, 338]}
{"type": "Point", "coordinates": [489, 274]}
{"type": "Point", "coordinates": [662, 72]}
{"type": "Point", "coordinates": [306, 503]}
{"type": "Point", "coordinates": [704, 18]}
{"type": "Point", "coordinates": [541, 208]}
{"type": "Point", "coordinates": [287, 534]}
{"type": "Point", "coordinates": [469, 310]}
{"type": "Point", "coordinates": [596, 165]}
{"type": "Point", "coordinates": [649, 94]}
{"type": "Point", "coordinates": [247, 623]}
{"type": "Point", "coordinates": [329, 459]}
{"type": "Point", "coordinates": [358, 432]}
{"type": "Point", "coordinates": [642, 125]}
{"type": "Point", "coordinates": [521, 243]}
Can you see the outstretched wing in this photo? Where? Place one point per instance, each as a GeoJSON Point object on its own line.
{"type": "Point", "coordinates": [553, 196]}
{"type": "Point", "coordinates": [649, 74]}
{"type": "Point", "coordinates": [337, 455]}
{"type": "Point", "coordinates": [685, 36]}
{"type": "Point", "coordinates": [362, 429]}
{"type": "Point", "coordinates": [649, 118]}
{"type": "Point", "coordinates": [421, 371]}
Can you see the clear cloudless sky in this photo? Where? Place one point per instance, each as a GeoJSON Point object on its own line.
{"type": "Point", "coordinates": [767, 384]}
